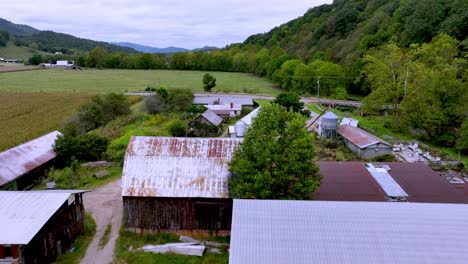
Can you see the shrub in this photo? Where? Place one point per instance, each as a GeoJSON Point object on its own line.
{"type": "Point", "coordinates": [177, 128]}
{"type": "Point", "coordinates": [87, 147]}
{"type": "Point", "coordinates": [209, 82]}
{"type": "Point", "coordinates": [154, 105]}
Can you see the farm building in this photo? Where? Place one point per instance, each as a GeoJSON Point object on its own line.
{"type": "Point", "coordinates": [206, 124]}
{"type": "Point", "coordinates": [363, 144]}
{"type": "Point", "coordinates": [226, 110]}
{"type": "Point", "coordinates": [244, 101]}
{"type": "Point", "coordinates": [177, 184]}
{"type": "Point", "coordinates": [390, 181]}
{"type": "Point", "coordinates": [22, 165]}
{"type": "Point", "coordinates": [243, 124]}
{"type": "Point", "coordinates": [38, 226]}
{"type": "Point", "coordinates": [280, 231]}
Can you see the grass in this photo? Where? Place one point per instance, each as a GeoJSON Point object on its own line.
{"type": "Point", "coordinates": [262, 102]}
{"type": "Point", "coordinates": [105, 237]}
{"type": "Point", "coordinates": [103, 81]}
{"type": "Point", "coordinates": [25, 116]}
{"type": "Point", "coordinates": [128, 240]}
{"type": "Point", "coordinates": [14, 52]}
{"type": "Point", "coordinates": [80, 245]}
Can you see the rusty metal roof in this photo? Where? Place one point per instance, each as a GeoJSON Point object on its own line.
{"type": "Point", "coordinates": [23, 214]}
{"type": "Point", "coordinates": [212, 117]}
{"type": "Point", "coordinates": [347, 181]}
{"type": "Point", "coordinates": [351, 181]}
{"type": "Point", "coordinates": [177, 167]}
{"type": "Point", "coordinates": [21, 159]}
{"type": "Point", "coordinates": [358, 136]}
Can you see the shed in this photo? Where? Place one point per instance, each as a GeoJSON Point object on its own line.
{"type": "Point", "coordinates": [22, 165]}
{"type": "Point", "coordinates": [38, 226]}
{"type": "Point", "coordinates": [206, 124]}
{"type": "Point", "coordinates": [226, 110]}
{"type": "Point", "coordinates": [177, 184]}
{"type": "Point", "coordinates": [362, 143]}
{"type": "Point", "coordinates": [244, 123]}
{"type": "Point", "coordinates": [280, 231]}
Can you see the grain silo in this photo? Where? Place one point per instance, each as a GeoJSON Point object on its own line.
{"type": "Point", "coordinates": [328, 125]}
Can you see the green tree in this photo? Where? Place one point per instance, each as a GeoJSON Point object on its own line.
{"type": "Point", "coordinates": [290, 101]}
{"type": "Point", "coordinates": [284, 76]}
{"type": "Point", "coordinates": [87, 147]}
{"type": "Point", "coordinates": [36, 59]}
{"type": "Point", "coordinates": [177, 128]}
{"type": "Point", "coordinates": [209, 82]}
{"type": "Point", "coordinates": [97, 58]}
{"type": "Point", "coordinates": [276, 160]}
{"type": "Point", "coordinates": [462, 142]}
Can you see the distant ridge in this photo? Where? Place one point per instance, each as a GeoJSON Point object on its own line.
{"type": "Point", "coordinates": [149, 49]}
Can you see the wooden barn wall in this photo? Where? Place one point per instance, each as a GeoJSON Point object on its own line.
{"type": "Point", "coordinates": [58, 234]}
{"type": "Point", "coordinates": [153, 214]}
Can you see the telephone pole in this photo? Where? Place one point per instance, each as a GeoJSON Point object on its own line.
{"type": "Point", "coordinates": [318, 87]}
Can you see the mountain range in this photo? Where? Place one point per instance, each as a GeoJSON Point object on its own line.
{"type": "Point", "coordinates": [150, 49]}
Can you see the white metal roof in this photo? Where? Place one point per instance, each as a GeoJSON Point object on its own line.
{"type": "Point", "coordinates": [23, 214]}
{"type": "Point", "coordinates": [225, 107]}
{"type": "Point", "coordinates": [210, 100]}
{"type": "Point", "coordinates": [21, 159]}
{"type": "Point", "coordinates": [212, 117]}
{"type": "Point", "coordinates": [177, 167]}
{"type": "Point", "coordinates": [265, 231]}
{"type": "Point", "coordinates": [386, 182]}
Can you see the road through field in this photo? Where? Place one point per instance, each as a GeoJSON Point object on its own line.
{"type": "Point", "coordinates": [105, 205]}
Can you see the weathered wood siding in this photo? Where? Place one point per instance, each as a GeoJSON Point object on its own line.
{"type": "Point", "coordinates": [153, 214]}
{"type": "Point", "coordinates": [57, 235]}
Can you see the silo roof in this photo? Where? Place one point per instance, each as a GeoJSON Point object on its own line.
{"type": "Point", "coordinates": [330, 115]}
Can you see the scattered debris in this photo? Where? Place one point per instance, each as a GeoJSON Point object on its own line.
{"type": "Point", "coordinates": [101, 174]}
{"type": "Point", "coordinates": [95, 164]}
{"type": "Point", "coordinates": [187, 239]}
{"type": "Point", "coordinates": [51, 185]}
{"type": "Point", "coordinates": [214, 250]}
{"type": "Point", "coordinates": [189, 246]}
{"type": "Point", "coordinates": [452, 177]}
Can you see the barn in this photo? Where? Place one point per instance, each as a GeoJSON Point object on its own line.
{"type": "Point", "coordinates": [173, 184]}
{"type": "Point", "coordinates": [22, 165]}
{"type": "Point", "coordinates": [38, 226]}
{"type": "Point", "coordinates": [363, 144]}
{"type": "Point", "coordinates": [206, 124]}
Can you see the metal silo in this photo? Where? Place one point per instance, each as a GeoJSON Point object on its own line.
{"type": "Point", "coordinates": [329, 124]}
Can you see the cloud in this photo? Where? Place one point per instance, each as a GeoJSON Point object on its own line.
{"type": "Point", "coordinates": [162, 23]}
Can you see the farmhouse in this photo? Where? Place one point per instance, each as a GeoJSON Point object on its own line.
{"type": "Point", "coordinates": [38, 226]}
{"type": "Point", "coordinates": [177, 184]}
{"type": "Point", "coordinates": [244, 101]}
{"type": "Point", "coordinates": [206, 124]}
{"type": "Point", "coordinates": [280, 231]}
{"type": "Point", "coordinates": [22, 165]}
{"type": "Point", "coordinates": [226, 110]}
{"type": "Point", "coordinates": [363, 144]}
{"type": "Point", "coordinates": [243, 124]}
{"type": "Point", "coordinates": [390, 181]}
{"type": "Point", "coordinates": [12, 61]}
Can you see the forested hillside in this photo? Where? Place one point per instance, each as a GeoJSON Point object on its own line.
{"type": "Point", "coordinates": [49, 41]}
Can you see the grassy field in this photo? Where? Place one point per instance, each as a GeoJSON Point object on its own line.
{"type": "Point", "coordinates": [103, 81]}
{"type": "Point", "coordinates": [25, 116]}
{"type": "Point", "coordinates": [14, 52]}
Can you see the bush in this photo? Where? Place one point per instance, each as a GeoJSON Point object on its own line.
{"type": "Point", "coordinates": [180, 99]}
{"type": "Point", "coordinates": [87, 147]}
{"type": "Point", "coordinates": [209, 82]}
{"type": "Point", "coordinates": [177, 128]}
{"type": "Point", "coordinates": [154, 105]}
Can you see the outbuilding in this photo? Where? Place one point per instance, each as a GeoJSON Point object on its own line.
{"type": "Point", "coordinates": [206, 124]}
{"type": "Point", "coordinates": [244, 124]}
{"type": "Point", "coordinates": [281, 231]}
{"type": "Point", "coordinates": [177, 184]}
{"type": "Point", "coordinates": [362, 143]}
{"type": "Point", "coordinates": [38, 226]}
{"type": "Point", "coordinates": [22, 165]}
{"type": "Point", "coordinates": [207, 99]}
{"type": "Point", "coordinates": [226, 110]}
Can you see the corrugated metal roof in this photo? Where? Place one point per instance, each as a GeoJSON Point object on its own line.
{"type": "Point", "coordinates": [225, 107]}
{"type": "Point", "coordinates": [177, 167]}
{"type": "Point", "coordinates": [358, 136]}
{"type": "Point", "coordinates": [347, 181]}
{"type": "Point", "coordinates": [211, 100]}
{"type": "Point", "coordinates": [244, 123]}
{"type": "Point", "coordinates": [265, 231]}
{"type": "Point", "coordinates": [212, 117]}
{"type": "Point", "coordinates": [23, 214]}
{"type": "Point", "coordinates": [386, 182]}
{"type": "Point", "coordinates": [330, 115]}
{"type": "Point", "coordinates": [26, 157]}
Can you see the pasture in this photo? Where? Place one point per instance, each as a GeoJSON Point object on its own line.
{"type": "Point", "coordinates": [104, 81]}
{"type": "Point", "coordinates": [25, 116]}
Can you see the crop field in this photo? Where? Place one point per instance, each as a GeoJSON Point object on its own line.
{"type": "Point", "coordinates": [25, 116]}
{"type": "Point", "coordinates": [103, 81]}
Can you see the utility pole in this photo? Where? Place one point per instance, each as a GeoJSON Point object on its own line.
{"type": "Point", "coordinates": [318, 87]}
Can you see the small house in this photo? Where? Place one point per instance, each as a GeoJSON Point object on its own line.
{"type": "Point", "coordinates": [362, 143]}
{"type": "Point", "coordinates": [300, 232]}
{"type": "Point", "coordinates": [206, 124]}
{"type": "Point", "coordinates": [177, 184]}
{"type": "Point", "coordinates": [39, 226]}
{"type": "Point", "coordinates": [22, 165]}
{"type": "Point", "coordinates": [226, 110]}
{"type": "Point", "coordinates": [202, 99]}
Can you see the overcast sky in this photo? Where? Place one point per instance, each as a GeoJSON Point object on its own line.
{"type": "Point", "coordinates": [159, 23]}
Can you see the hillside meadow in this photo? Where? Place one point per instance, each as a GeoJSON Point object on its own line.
{"type": "Point", "coordinates": [104, 81]}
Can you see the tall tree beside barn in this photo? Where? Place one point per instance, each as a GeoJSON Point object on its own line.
{"type": "Point", "coordinates": [276, 160]}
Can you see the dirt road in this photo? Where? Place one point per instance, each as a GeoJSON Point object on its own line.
{"type": "Point", "coordinates": [105, 205]}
